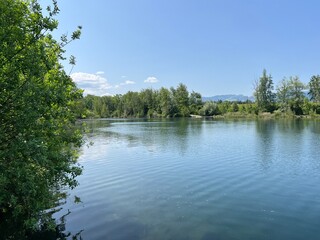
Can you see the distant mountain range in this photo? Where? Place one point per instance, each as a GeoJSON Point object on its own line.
{"type": "Point", "coordinates": [228, 97]}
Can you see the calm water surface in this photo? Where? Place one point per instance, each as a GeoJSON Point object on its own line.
{"type": "Point", "coordinates": [199, 179]}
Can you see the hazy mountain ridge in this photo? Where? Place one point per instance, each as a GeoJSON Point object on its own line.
{"type": "Point", "coordinates": [228, 97]}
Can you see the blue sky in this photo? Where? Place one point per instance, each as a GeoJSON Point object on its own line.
{"type": "Point", "coordinates": [212, 46]}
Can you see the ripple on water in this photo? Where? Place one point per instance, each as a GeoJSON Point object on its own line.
{"type": "Point", "coordinates": [199, 180]}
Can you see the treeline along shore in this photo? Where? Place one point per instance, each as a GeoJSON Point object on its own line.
{"type": "Point", "coordinates": [291, 97]}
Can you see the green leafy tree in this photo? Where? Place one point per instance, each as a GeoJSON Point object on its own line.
{"type": "Point", "coordinates": [165, 102]}
{"type": "Point", "coordinates": [224, 106]}
{"type": "Point", "coordinates": [195, 102]}
{"type": "Point", "coordinates": [283, 95]}
{"type": "Point", "coordinates": [234, 107]}
{"type": "Point", "coordinates": [38, 137]}
{"type": "Point", "coordinates": [181, 97]}
{"type": "Point", "coordinates": [98, 106]}
{"type": "Point", "coordinates": [297, 96]}
{"type": "Point", "coordinates": [314, 88]}
{"type": "Point", "coordinates": [209, 109]}
{"type": "Point", "coordinates": [132, 105]}
{"type": "Point", "coordinates": [118, 105]}
{"type": "Point", "coordinates": [263, 93]}
{"type": "Point", "coordinates": [149, 100]}
{"type": "Point", "coordinates": [290, 95]}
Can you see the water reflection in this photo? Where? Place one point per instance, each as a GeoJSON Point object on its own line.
{"type": "Point", "coordinates": [58, 232]}
{"type": "Point", "coordinates": [292, 125]}
{"type": "Point", "coordinates": [200, 179]}
{"type": "Point", "coordinates": [314, 126]}
{"type": "Point", "coordinates": [276, 138]}
{"type": "Point", "coordinates": [161, 135]}
{"type": "Point", "coordinates": [51, 229]}
{"type": "Point", "coordinates": [266, 146]}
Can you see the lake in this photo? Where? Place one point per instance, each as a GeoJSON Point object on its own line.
{"type": "Point", "coordinates": [198, 179]}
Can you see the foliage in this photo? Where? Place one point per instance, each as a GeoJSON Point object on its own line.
{"type": "Point", "coordinates": [166, 106]}
{"type": "Point", "coordinates": [263, 93]}
{"type": "Point", "coordinates": [38, 137]}
{"type": "Point", "coordinates": [146, 103]}
{"type": "Point", "coordinates": [181, 98]}
{"type": "Point", "coordinates": [178, 102]}
{"type": "Point", "coordinates": [314, 88]}
{"type": "Point", "coordinates": [283, 95]}
{"type": "Point", "coordinates": [296, 95]}
{"type": "Point", "coordinates": [195, 102]}
{"type": "Point", "coordinates": [209, 109]}
{"type": "Point", "coordinates": [290, 95]}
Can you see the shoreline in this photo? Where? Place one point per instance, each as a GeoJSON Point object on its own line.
{"type": "Point", "coordinates": [236, 115]}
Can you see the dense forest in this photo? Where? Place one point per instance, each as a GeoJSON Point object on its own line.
{"type": "Point", "coordinates": [291, 97]}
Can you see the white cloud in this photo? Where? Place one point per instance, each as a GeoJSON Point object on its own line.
{"type": "Point", "coordinates": [151, 80]}
{"type": "Point", "coordinates": [96, 84]}
{"type": "Point", "coordinates": [100, 72]}
{"type": "Point", "coordinates": [123, 76]}
{"type": "Point", "coordinates": [128, 82]}
{"type": "Point", "coordinates": [91, 83]}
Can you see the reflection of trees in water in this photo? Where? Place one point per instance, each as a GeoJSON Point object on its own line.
{"type": "Point", "coordinates": [314, 126]}
{"type": "Point", "coordinates": [266, 129]}
{"type": "Point", "coordinates": [171, 134]}
{"type": "Point", "coordinates": [298, 125]}
{"type": "Point", "coordinates": [277, 138]}
{"type": "Point", "coordinates": [291, 125]}
{"type": "Point", "coordinates": [54, 230]}
{"type": "Point", "coordinates": [312, 142]}
{"type": "Point", "coordinates": [48, 229]}
{"type": "Point", "coordinates": [92, 126]}
{"type": "Point", "coordinates": [153, 134]}
{"type": "Point", "coordinates": [293, 132]}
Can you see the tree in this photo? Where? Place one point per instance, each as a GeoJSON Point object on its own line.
{"type": "Point", "coordinates": [132, 105]}
{"type": "Point", "coordinates": [181, 97]}
{"type": "Point", "coordinates": [296, 96]}
{"type": "Point", "coordinates": [314, 88]}
{"type": "Point", "coordinates": [290, 95]}
{"type": "Point", "coordinates": [224, 106]}
{"type": "Point", "coordinates": [263, 93]}
{"type": "Point", "coordinates": [149, 100]}
{"type": "Point", "coordinates": [165, 102]}
{"type": "Point", "coordinates": [234, 107]}
{"type": "Point", "coordinates": [38, 136]}
{"type": "Point", "coordinates": [195, 102]}
{"type": "Point", "coordinates": [283, 95]}
{"type": "Point", "coordinates": [209, 109]}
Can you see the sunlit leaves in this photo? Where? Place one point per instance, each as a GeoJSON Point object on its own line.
{"type": "Point", "coordinates": [290, 95]}
{"type": "Point", "coordinates": [314, 88]}
{"type": "Point", "coordinates": [38, 138]}
{"type": "Point", "coordinates": [263, 93]}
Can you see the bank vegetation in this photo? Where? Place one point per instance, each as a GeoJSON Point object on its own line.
{"type": "Point", "coordinates": [290, 98]}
